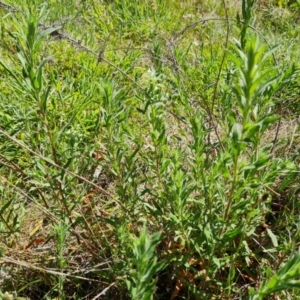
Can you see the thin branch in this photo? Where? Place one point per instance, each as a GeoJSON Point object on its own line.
{"type": "Point", "coordinates": [8, 260]}
{"type": "Point", "coordinates": [104, 291]}
{"type": "Point", "coordinates": [21, 144]}
{"type": "Point", "coordinates": [203, 21]}
{"type": "Point", "coordinates": [9, 7]}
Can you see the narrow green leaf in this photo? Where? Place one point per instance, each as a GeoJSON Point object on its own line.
{"type": "Point", "coordinates": [272, 237]}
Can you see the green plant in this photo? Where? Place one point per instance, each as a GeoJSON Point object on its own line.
{"type": "Point", "coordinates": [286, 278]}
{"type": "Point", "coordinates": [117, 114]}
{"type": "Point", "coordinates": [144, 266]}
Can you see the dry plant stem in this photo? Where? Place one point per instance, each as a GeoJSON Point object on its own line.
{"type": "Point", "coordinates": [272, 191]}
{"type": "Point", "coordinates": [92, 234]}
{"type": "Point", "coordinates": [21, 144]}
{"type": "Point", "coordinates": [292, 140]}
{"type": "Point", "coordinates": [276, 134]}
{"type": "Point", "coordinates": [15, 167]}
{"type": "Point", "coordinates": [261, 246]}
{"type": "Point", "coordinates": [9, 7]}
{"type": "Point", "coordinates": [228, 206]}
{"type": "Point", "coordinates": [202, 21]}
{"type": "Point", "coordinates": [11, 231]}
{"type": "Point", "coordinates": [7, 260]}
{"type": "Point", "coordinates": [12, 165]}
{"type": "Point", "coordinates": [47, 212]}
{"type": "Point", "coordinates": [54, 153]}
{"type": "Point", "coordinates": [21, 192]}
{"type": "Point", "coordinates": [104, 291]}
{"type": "Point", "coordinates": [218, 78]}
{"type": "Point", "coordinates": [102, 50]}
{"type": "Point", "coordinates": [212, 109]}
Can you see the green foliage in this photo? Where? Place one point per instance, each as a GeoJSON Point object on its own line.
{"type": "Point", "coordinates": [120, 177]}
{"type": "Point", "coordinates": [286, 278]}
{"type": "Point", "coordinates": [144, 266]}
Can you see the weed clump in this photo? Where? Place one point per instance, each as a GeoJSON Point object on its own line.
{"type": "Point", "coordinates": [146, 159]}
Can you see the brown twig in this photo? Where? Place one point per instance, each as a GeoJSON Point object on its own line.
{"type": "Point", "coordinates": [219, 76]}
{"type": "Point", "coordinates": [8, 260]}
{"type": "Point", "coordinates": [21, 144]}
{"type": "Point", "coordinates": [104, 291]}
{"type": "Point", "coordinates": [9, 7]}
